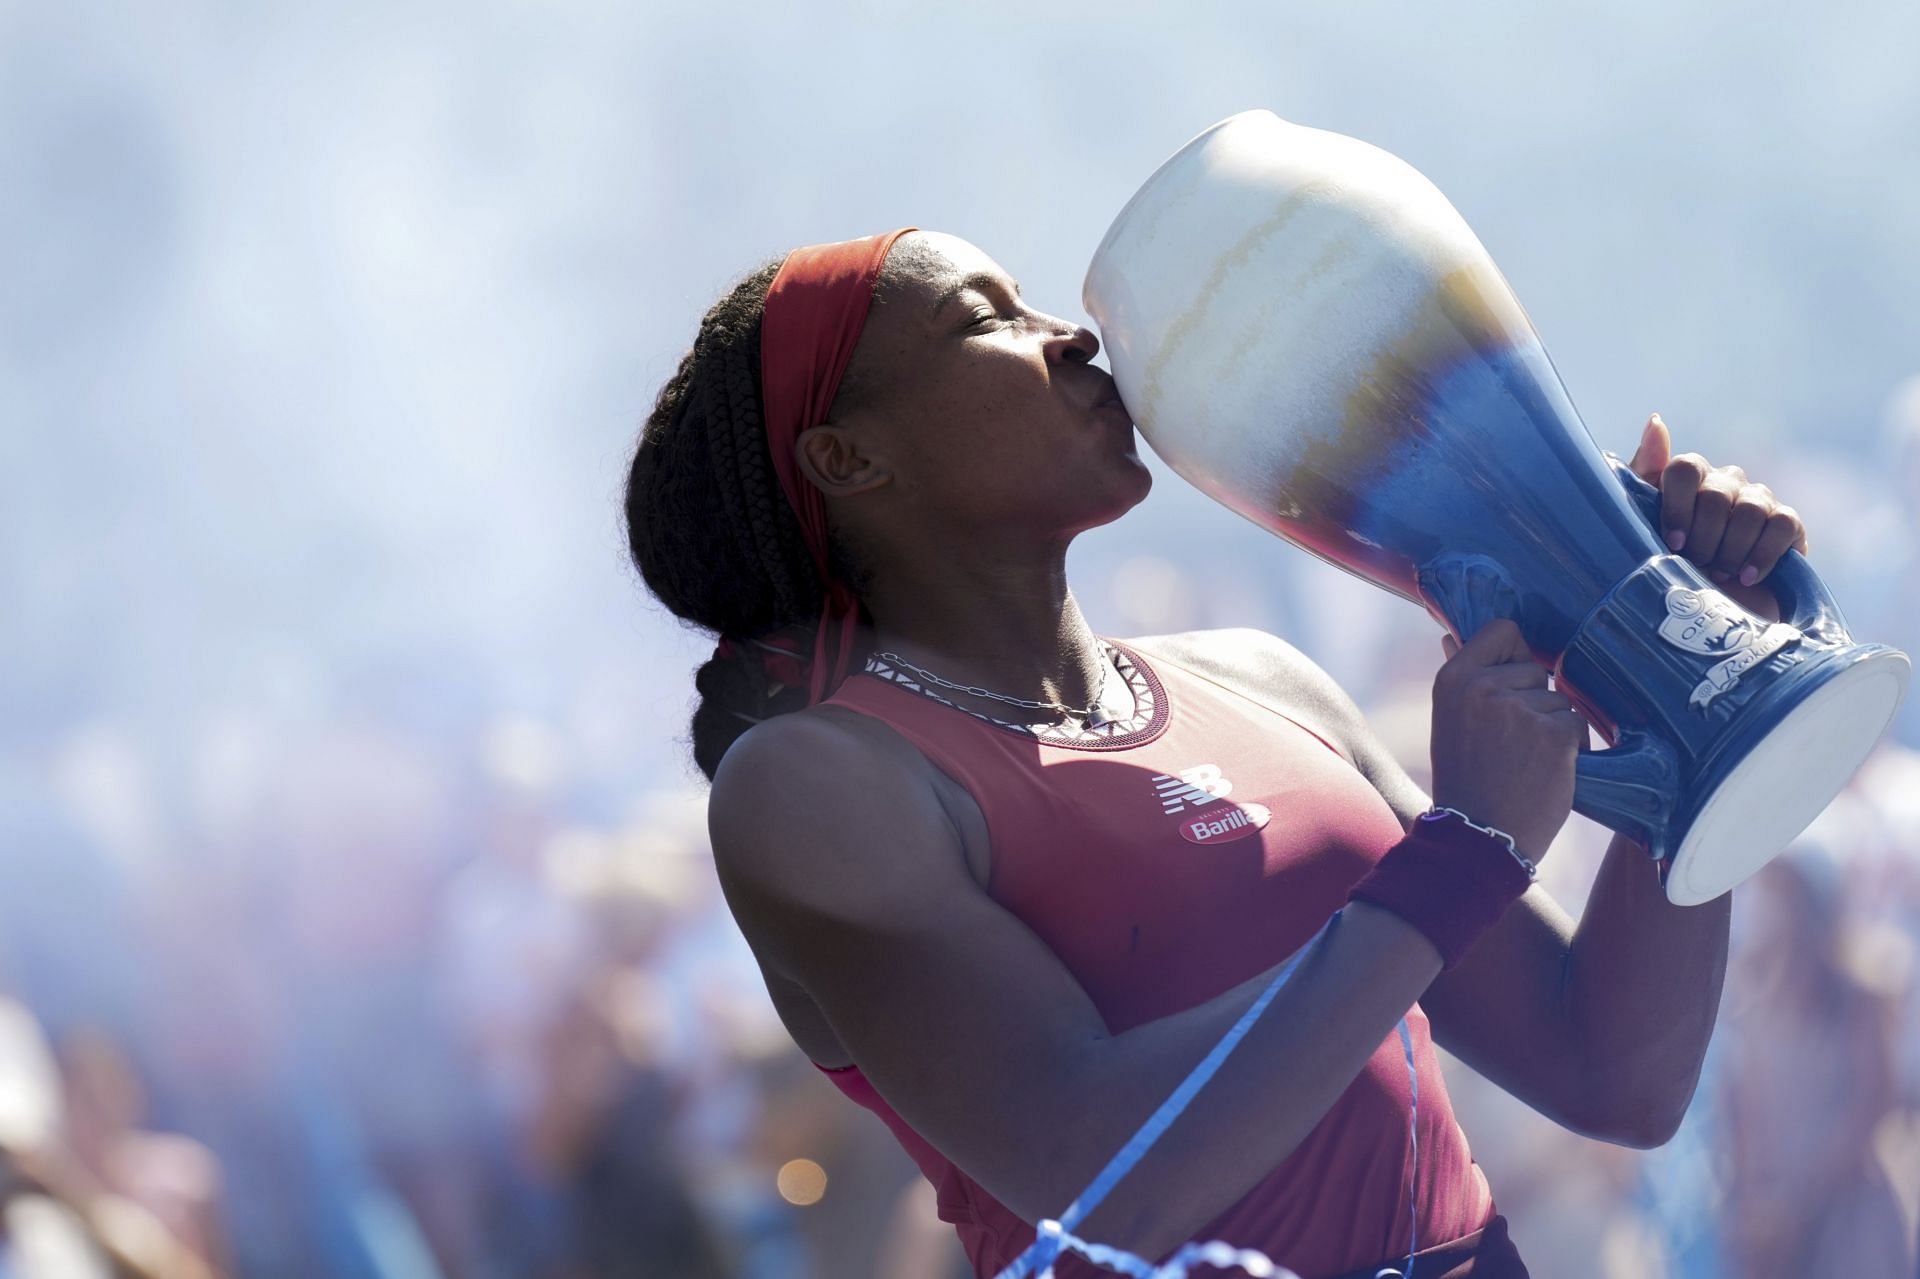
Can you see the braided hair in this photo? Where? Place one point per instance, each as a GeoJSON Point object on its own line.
{"type": "Point", "coordinates": [711, 531]}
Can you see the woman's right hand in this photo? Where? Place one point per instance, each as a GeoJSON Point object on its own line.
{"type": "Point", "coordinates": [1504, 744]}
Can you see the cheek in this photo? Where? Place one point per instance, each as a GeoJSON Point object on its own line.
{"type": "Point", "coordinates": [990, 430]}
{"type": "Point", "coordinates": [948, 453]}
{"type": "Point", "coordinates": [984, 468]}
{"type": "Point", "coordinates": [1003, 375]}
{"type": "Point", "coordinates": [977, 423]}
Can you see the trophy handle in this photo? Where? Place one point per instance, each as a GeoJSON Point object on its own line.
{"type": "Point", "coordinates": [1805, 602]}
{"type": "Point", "coordinates": [1628, 787]}
{"type": "Point", "coordinates": [1469, 589]}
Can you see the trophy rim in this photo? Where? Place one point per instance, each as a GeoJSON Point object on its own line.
{"type": "Point", "coordinates": [1152, 181]}
{"type": "Point", "coordinates": [1789, 778]}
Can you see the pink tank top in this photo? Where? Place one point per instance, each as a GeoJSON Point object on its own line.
{"type": "Point", "coordinates": [1168, 858]}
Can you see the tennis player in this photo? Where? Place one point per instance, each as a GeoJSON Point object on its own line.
{"type": "Point", "coordinates": [1009, 880]}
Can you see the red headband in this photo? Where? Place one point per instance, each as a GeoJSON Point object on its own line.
{"type": "Point", "coordinates": [815, 309]}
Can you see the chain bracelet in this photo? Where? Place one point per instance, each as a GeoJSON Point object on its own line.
{"type": "Point", "coordinates": [1438, 811]}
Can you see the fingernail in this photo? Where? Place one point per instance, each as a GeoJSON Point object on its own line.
{"type": "Point", "coordinates": [1720, 576]}
{"type": "Point", "coordinates": [1656, 417]}
{"type": "Point", "coordinates": [1749, 575]}
{"type": "Point", "coordinates": [1676, 538]}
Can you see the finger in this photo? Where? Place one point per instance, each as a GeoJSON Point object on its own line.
{"type": "Point", "coordinates": [1513, 675]}
{"type": "Point", "coordinates": [1545, 700]}
{"type": "Point", "coordinates": [1712, 506]}
{"type": "Point", "coordinates": [1751, 507]}
{"type": "Point", "coordinates": [1780, 532]}
{"type": "Point", "coordinates": [1654, 452]}
{"type": "Point", "coordinates": [1449, 645]}
{"type": "Point", "coordinates": [1679, 485]}
{"type": "Point", "coordinates": [1498, 641]}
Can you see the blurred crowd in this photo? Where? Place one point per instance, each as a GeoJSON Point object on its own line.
{"type": "Point", "coordinates": [407, 1018]}
{"type": "Point", "coordinates": [386, 1001]}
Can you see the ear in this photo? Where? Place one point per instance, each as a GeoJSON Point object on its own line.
{"type": "Point", "coordinates": [832, 458]}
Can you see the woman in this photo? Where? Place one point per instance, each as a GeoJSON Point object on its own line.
{"type": "Point", "coordinates": [1009, 880]}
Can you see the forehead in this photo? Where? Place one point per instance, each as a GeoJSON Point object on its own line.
{"type": "Point", "coordinates": [943, 265]}
{"type": "Point", "coordinates": [912, 314]}
{"type": "Point", "coordinates": [952, 254]}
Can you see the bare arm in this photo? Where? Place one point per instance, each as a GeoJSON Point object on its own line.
{"type": "Point", "coordinates": [1643, 987]}
{"type": "Point", "coordinates": [848, 878]}
{"type": "Point", "coordinates": [1603, 1026]}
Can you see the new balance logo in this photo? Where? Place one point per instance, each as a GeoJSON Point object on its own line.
{"type": "Point", "coordinates": [1196, 787]}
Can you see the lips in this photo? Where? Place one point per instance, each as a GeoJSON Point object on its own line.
{"type": "Point", "coordinates": [1114, 410]}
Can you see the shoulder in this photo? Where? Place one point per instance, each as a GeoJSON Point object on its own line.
{"type": "Point", "coordinates": [824, 803]}
{"type": "Point", "coordinates": [804, 761]}
{"type": "Point", "coordinates": [1267, 669]}
{"type": "Point", "coordinates": [830, 728]}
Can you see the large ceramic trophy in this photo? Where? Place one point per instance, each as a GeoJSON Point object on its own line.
{"type": "Point", "coordinates": [1306, 329]}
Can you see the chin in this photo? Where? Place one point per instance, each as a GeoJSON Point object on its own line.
{"type": "Point", "coordinates": [1124, 497]}
{"type": "Point", "coordinates": [1144, 475]}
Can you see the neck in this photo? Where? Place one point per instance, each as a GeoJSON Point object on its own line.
{"type": "Point", "coordinates": [1015, 630]}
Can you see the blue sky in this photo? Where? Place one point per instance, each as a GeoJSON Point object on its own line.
{"type": "Point", "coordinates": [326, 329]}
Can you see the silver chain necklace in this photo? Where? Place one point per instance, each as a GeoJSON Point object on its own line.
{"type": "Point", "coordinates": [1077, 713]}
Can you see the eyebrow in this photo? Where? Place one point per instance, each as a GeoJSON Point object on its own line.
{"type": "Point", "coordinates": [982, 280]}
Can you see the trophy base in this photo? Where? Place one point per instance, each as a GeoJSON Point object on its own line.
{"type": "Point", "coordinates": [1787, 779]}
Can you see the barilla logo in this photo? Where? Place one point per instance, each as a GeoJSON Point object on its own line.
{"type": "Point", "coordinates": [1199, 787]}
{"type": "Point", "coordinates": [1237, 820]}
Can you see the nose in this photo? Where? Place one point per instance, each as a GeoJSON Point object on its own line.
{"type": "Point", "coordinates": [1072, 344]}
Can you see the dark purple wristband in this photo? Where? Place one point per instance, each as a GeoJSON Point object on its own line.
{"type": "Point", "coordinates": [1447, 879]}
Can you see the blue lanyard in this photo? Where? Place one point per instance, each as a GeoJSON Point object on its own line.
{"type": "Point", "coordinates": [1055, 1236]}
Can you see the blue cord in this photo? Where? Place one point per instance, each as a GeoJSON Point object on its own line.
{"type": "Point", "coordinates": [1413, 1140]}
{"type": "Point", "coordinates": [1055, 1236]}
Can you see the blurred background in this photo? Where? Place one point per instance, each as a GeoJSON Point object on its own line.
{"type": "Point", "coordinates": [355, 913]}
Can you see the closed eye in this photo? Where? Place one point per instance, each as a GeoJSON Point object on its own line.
{"type": "Point", "coordinates": [992, 286]}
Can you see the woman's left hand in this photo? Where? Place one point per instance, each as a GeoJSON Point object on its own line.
{"type": "Point", "coordinates": [1734, 529]}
